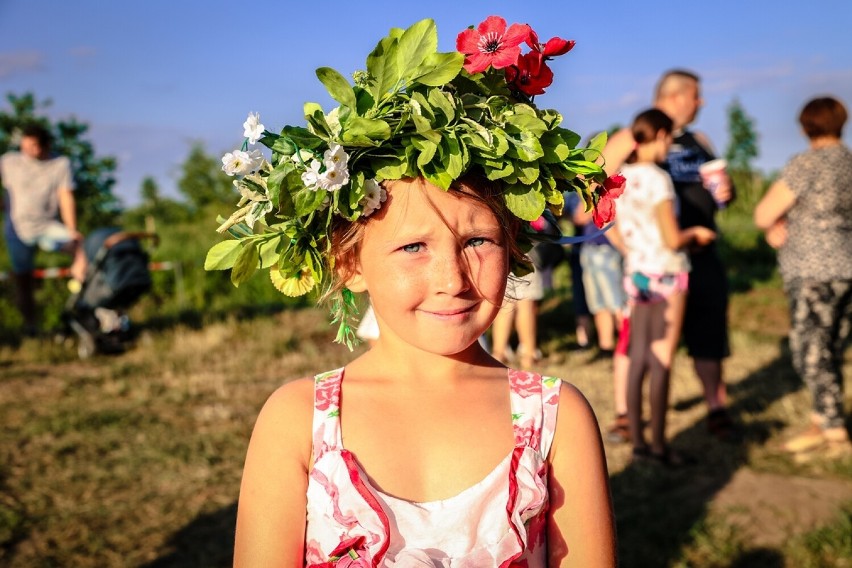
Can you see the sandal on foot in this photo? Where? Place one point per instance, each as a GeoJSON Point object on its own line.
{"type": "Point", "coordinates": [668, 458]}
{"type": "Point", "coordinates": [619, 432]}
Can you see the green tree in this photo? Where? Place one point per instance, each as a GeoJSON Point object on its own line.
{"type": "Point", "coordinates": [742, 145]}
{"type": "Point", "coordinates": [154, 208]}
{"type": "Point", "coordinates": [203, 182]}
{"type": "Point", "coordinates": [93, 175]}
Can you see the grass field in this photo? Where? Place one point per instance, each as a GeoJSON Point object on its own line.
{"type": "Point", "coordinates": [135, 460]}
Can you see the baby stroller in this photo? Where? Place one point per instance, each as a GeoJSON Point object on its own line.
{"type": "Point", "coordinates": [117, 276]}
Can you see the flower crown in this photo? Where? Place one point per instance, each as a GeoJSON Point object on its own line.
{"type": "Point", "coordinates": [413, 112]}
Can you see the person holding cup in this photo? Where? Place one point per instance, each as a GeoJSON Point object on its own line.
{"type": "Point", "coordinates": [705, 324]}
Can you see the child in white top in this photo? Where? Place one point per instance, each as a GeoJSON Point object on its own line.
{"type": "Point", "coordinates": [656, 274]}
{"type": "Point", "coordinates": [425, 450]}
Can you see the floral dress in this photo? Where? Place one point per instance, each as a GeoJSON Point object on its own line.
{"type": "Point", "coordinates": [500, 521]}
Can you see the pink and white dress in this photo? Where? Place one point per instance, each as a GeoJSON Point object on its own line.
{"type": "Point", "coordinates": [498, 522]}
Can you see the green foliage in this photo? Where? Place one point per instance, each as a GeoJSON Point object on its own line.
{"type": "Point", "coordinates": [742, 146]}
{"type": "Point", "coordinates": [202, 181]}
{"type": "Point", "coordinates": [93, 175]}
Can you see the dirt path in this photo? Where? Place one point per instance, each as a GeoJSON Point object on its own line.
{"type": "Point", "coordinates": [771, 508]}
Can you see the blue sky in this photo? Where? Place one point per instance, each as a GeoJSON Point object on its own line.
{"type": "Point", "coordinates": [150, 77]}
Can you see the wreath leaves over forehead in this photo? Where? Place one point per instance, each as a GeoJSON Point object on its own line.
{"type": "Point", "coordinates": [413, 112]}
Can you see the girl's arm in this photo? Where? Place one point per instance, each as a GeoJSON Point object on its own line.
{"type": "Point", "coordinates": [675, 238]}
{"type": "Point", "coordinates": [580, 526]}
{"type": "Point", "coordinates": [272, 506]}
{"type": "Point", "coordinates": [774, 205]}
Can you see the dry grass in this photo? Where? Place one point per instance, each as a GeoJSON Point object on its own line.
{"type": "Point", "coordinates": [135, 460]}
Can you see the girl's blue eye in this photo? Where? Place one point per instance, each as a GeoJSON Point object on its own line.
{"type": "Point", "coordinates": [476, 241]}
{"type": "Point", "coordinates": [414, 247]}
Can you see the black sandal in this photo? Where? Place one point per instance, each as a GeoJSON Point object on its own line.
{"type": "Point", "coordinates": [668, 459]}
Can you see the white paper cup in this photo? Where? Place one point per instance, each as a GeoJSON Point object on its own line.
{"type": "Point", "coordinates": [712, 175]}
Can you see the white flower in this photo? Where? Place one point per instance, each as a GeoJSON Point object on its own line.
{"type": "Point", "coordinates": [374, 196]}
{"type": "Point", "coordinates": [241, 163]}
{"type": "Point", "coordinates": [312, 175]}
{"type": "Point", "coordinates": [333, 179]}
{"type": "Point", "coordinates": [335, 158]}
{"type": "Point", "coordinates": [252, 128]}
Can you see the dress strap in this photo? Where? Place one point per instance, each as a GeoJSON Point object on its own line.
{"type": "Point", "coordinates": [326, 423]}
{"type": "Point", "coordinates": [534, 402]}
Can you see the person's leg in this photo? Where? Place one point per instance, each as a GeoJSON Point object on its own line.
{"type": "Point", "coordinates": [582, 315]}
{"type": "Point", "coordinates": [709, 372]}
{"type": "Point", "coordinates": [501, 329]}
{"type": "Point", "coordinates": [22, 257]}
{"type": "Point", "coordinates": [817, 310]}
{"type": "Point", "coordinates": [640, 345]}
{"type": "Point", "coordinates": [605, 327]}
{"type": "Point", "coordinates": [526, 326]}
{"type": "Point", "coordinates": [666, 320]}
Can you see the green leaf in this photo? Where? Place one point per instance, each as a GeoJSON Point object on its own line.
{"type": "Point", "coordinates": [415, 44]}
{"type": "Point", "coordinates": [427, 150]}
{"type": "Point", "coordinates": [555, 149]}
{"type": "Point", "coordinates": [268, 251]}
{"type": "Point", "coordinates": [437, 176]}
{"type": "Point", "coordinates": [527, 172]}
{"type": "Point", "coordinates": [301, 137]}
{"type": "Point", "coordinates": [390, 167]}
{"type": "Point", "coordinates": [527, 122]}
{"type": "Point", "coordinates": [316, 118]}
{"type": "Point", "coordinates": [441, 101]}
{"type": "Point", "coordinates": [525, 202]}
{"type": "Point", "coordinates": [307, 201]}
{"type": "Point", "coordinates": [337, 86]}
{"type": "Point", "coordinates": [439, 69]}
{"type": "Point", "coordinates": [595, 147]}
{"type": "Point", "coordinates": [525, 147]}
{"type": "Point", "coordinates": [221, 256]}
{"type": "Point", "coordinates": [360, 131]}
{"type": "Point", "coordinates": [453, 159]}
{"type": "Point", "coordinates": [245, 265]}
{"type": "Point", "coordinates": [383, 67]}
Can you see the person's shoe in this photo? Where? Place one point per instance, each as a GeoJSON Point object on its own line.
{"type": "Point", "coordinates": [668, 459]}
{"type": "Point", "coordinates": [808, 440]}
{"type": "Point", "coordinates": [721, 426]}
{"type": "Point", "coordinates": [619, 432]}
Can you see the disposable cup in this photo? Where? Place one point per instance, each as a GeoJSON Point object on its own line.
{"type": "Point", "coordinates": [712, 175]}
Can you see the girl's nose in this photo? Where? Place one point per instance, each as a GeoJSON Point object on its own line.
{"type": "Point", "coordinates": [453, 274]}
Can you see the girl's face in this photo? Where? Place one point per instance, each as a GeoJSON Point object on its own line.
{"type": "Point", "coordinates": [435, 280]}
{"type": "Point", "coordinates": [662, 144]}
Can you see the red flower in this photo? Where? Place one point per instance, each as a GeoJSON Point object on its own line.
{"type": "Point", "coordinates": [530, 74]}
{"type": "Point", "coordinates": [554, 46]}
{"type": "Point", "coordinates": [525, 383]}
{"type": "Point", "coordinates": [604, 211]}
{"type": "Point", "coordinates": [614, 185]}
{"type": "Point", "coordinates": [491, 44]}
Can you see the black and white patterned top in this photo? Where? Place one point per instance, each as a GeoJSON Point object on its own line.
{"type": "Point", "coordinates": [819, 224]}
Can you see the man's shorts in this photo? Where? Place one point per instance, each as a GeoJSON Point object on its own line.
{"type": "Point", "coordinates": [22, 252]}
{"type": "Point", "coordinates": [602, 275]}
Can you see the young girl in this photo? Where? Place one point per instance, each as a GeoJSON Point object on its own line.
{"type": "Point", "coordinates": [425, 450]}
{"type": "Point", "coordinates": [656, 276]}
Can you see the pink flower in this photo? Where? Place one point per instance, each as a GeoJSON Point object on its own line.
{"type": "Point", "coordinates": [524, 383]}
{"type": "Point", "coordinates": [614, 185]}
{"type": "Point", "coordinates": [530, 74]}
{"type": "Point", "coordinates": [491, 44]}
{"type": "Point", "coordinates": [554, 46]}
{"type": "Point", "coordinates": [604, 211]}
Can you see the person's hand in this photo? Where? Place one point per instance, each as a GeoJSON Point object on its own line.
{"type": "Point", "coordinates": [776, 235]}
{"type": "Point", "coordinates": [723, 192]}
{"type": "Point", "coordinates": [703, 235]}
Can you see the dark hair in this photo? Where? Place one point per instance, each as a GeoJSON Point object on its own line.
{"type": "Point", "coordinates": [672, 74]}
{"type": "Point", "coordinates": [40, 133]}
{"type": "Point", "coordinates": [648, 123]}
{"type": "Point", "coordinates": [823, 116]}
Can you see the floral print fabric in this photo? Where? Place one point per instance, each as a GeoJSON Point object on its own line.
{"type": "Point", "coordinates": [498, 522]}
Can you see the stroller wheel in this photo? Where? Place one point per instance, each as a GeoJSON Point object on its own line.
{"type": "Point", "coordinates": [86, 347]}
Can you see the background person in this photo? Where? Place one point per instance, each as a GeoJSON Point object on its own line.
{"type": "Point", "coordinates": [656, 277]}
{"type": "Point", "coordinates": [705, 324]}
{"type": "Point", "coordinates": [807, 216]}
{"type": "Point", "coordinates": [39, 188]}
